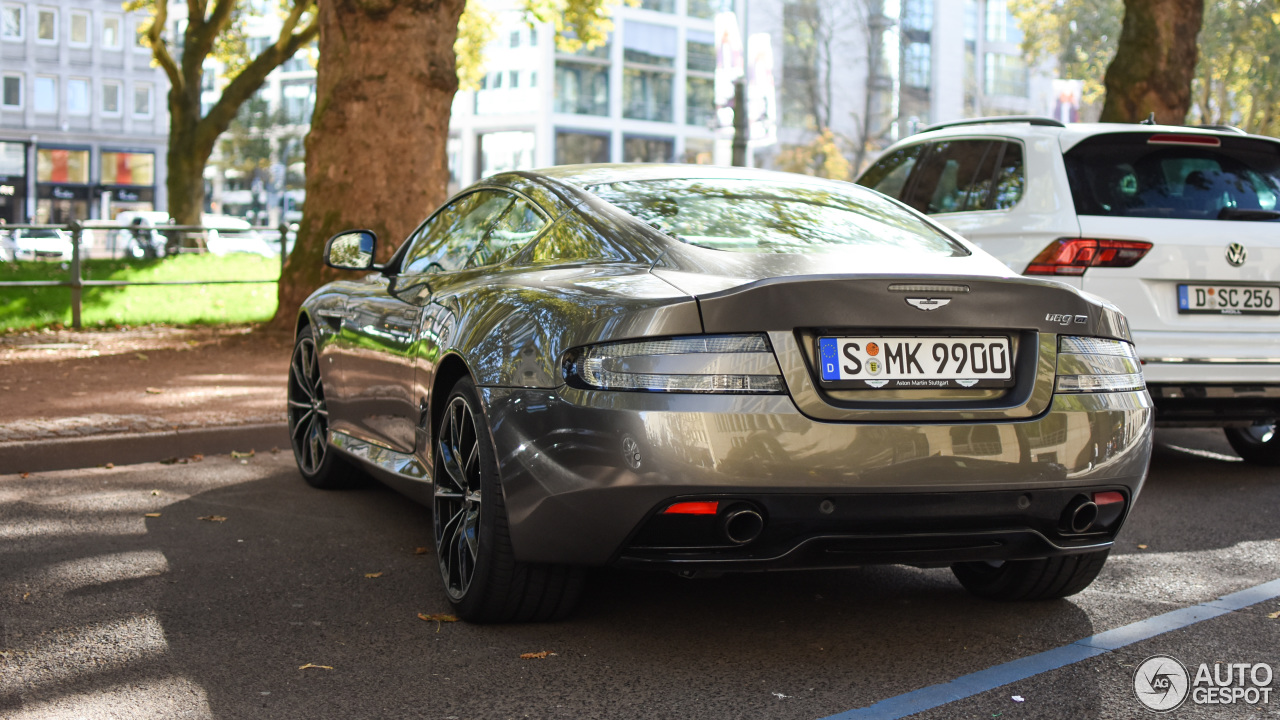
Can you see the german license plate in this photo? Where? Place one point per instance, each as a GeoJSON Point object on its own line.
{"type": "Point", "coordinates": [915, 362]}
{"type": "Point", "coordinates": [1229, 299]}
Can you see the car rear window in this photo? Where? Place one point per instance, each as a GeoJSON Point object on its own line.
{"type": "Point", "coordinates": [1164, 175]}
{"type": "Point", "coordinates": [758, 216]}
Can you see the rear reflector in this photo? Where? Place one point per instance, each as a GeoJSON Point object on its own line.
{"type": "Point", "coordinates": [1174, 139]}
{"type": "Point", "coordinates": [693, 508]}
{"type": "Point", "coordinates": [1107, 498]}
{"type": "Point", "coordinates": [1072, 256]}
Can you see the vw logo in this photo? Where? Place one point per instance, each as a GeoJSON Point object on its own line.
{"type": "Point", "coordinates": [1236, 254]}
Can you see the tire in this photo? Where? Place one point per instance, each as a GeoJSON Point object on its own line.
{"type": "Point", "coordinates": [320, 465]}
{"type": "Point", "coordinates": [482, 579]}
{"type": "Point", "coordinates": [1259, 444]}
{"type": "Point", "coordinates": [1017, 580]}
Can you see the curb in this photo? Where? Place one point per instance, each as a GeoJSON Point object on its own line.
{"type": "Point", "coordinates": [133, 448]}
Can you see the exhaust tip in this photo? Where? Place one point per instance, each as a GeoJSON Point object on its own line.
{"type": "Point", "coordinates": [1080, 515]}
{"type": "Point", "coordinates": [741, 525]}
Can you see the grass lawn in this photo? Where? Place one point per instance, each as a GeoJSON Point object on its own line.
{"type": "Point", "coordinates": [181, 304]}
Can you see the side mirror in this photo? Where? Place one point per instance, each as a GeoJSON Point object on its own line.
{"type": "Point", "coordinates": [351, 250]}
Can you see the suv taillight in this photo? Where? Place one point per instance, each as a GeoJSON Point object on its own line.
{"type": "Point", "coordinates": [1072, 256]}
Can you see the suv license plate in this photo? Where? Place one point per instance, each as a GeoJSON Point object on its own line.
{"type": "Point", "coordinates": [916, 363]}
{"type": "Point", "coordinates": [1229, 299]}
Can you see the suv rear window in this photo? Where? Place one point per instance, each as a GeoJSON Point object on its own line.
{"type": "Point", "coordinates": [1129, 175]}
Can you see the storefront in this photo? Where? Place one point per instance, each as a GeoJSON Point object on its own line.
{"type": "Point", "coordinates": [13, 182]}
{"type": "Point", "coordinates": [127, 181]}
{"type": "Point", "coordinates": [62, 184]}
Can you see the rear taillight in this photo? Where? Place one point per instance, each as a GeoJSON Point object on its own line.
{"type": "Point", "coordinates": [1072, 256]}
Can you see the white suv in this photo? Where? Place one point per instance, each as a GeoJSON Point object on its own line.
{"type": "Point", "coordinates": [1177, 226]}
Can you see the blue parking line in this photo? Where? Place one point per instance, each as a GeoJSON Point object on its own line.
{"type": "Point", "coordinates": [969, 685]}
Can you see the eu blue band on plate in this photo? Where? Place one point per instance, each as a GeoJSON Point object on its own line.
{"type": "Point", "coordinates": [1183, 303]}
{"type": "Point", "coordinates": [829, 357]}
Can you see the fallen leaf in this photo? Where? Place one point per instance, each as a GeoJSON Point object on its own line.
{"type": "Point", "coordinates": [152, 515]}
{"type": "Point", "coordinates": [275, 451]}
{"type": "Point", "coordinates": [140, 356]}
{"type": "Point", "coordinates": [1142, 547]}
{"type": "Point", "coordinates": [318, 667]}
{"type": "Point", "coordinates": [416, 551]}
{"type": "Point", "coordinates": [155, 492]}
{"type": "Point", "coordinates": [1275, 615]}
{"type": "Point", "coordinates": [541, 654]}
{"type": "Point", "coordinates": [26, 475]}
{"type": "Point", "coordinates": [373, 575]}
{"type": "Point", "coordinates": [109, 465]}
{"type": "Point", "coordinates": [235, 455]}
{"type": "Point", "coordinates": [214, 518]}
{"type": "Point", "coordinates": [26, 595]}
{"type": "Point", "coordinates": [438, 618]}
{"type": "Point", "coordinates": [197, 457]}
{"type": "Point", "coordinates": [153, 391]}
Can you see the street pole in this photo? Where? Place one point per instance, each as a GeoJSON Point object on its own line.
{"type": "Point", "coordinates": [741, 126]}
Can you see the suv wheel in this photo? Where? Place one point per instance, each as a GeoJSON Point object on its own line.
{"type": "Point", "coordinates": [1257, 444]}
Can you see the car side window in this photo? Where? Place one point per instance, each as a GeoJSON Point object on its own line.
{"type": "Point", "coordinates": [514, 229]}
{"type": "Point", "coordinates": [954, 177]}
{"type": "Point", "coordinates": [445, 242]}
{"type": "Point", "coordinates": [1010, 178]}
{"type": "Point", "coordinates": [889, 174]}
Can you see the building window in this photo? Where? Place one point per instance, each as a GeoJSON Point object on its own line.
{"type": "Point", "coordinates": [1006, 75]}
{"type": "Point", "coordinates": [111, 33]}
{"type": "Point", "coordinates": [515, 38]}
{"type": "Point", "coordinates": [11, 95]}
{"type": "Point", "coordinates": [78, 96]}
{"type": "Point", "coordinates": [1002, 26]}
{"type": "Point", "coordinates": [576, 148]}
{"type": "Point", "coordinates": [110, 98]}
{"type": "Point", "coordinates": [705, 9]}
{"type": "Point", "coordinates": [47, 25]}
{"type": "Point", "coordinates": [79, 28]}
{"type": "Point", "coordinates": [533, 36]}
{"type": "Point", "coordinates": [298, 100]}
{"type": "Point", "coordinates": [700, 49]}
{"type": "Point", "coordinates": [142, 100]}
{"type": "Point", "coordinates": [917, 15]}
{"type": "Point", "coordinates": [57, 165]}
{"type": "Point", "coordinates": [648, 149]}
{"type": "Point", "coordinates": [581, 88]}
{"type": "Point", "coordinates": [917, 65]}
{"type": "Point", "coordinates": [647, 84]}
{"type": "Point", "coordinates": [128, 168]}
{"type": "Point", "coordinates": [504, 151]}
{"type": "Point", "coordinates": [662, 6]}
{"type": "Point", "coordinates": [700, 100]}
{"type": "Point", "coordinates": [11, 22]}
{"type": "Point", "coordinates": [698, 151]}
{"type": "Point", "coordinates": [46, 94]}
{"type": "Point", "coordinates": [533, 78]}
{"type": "Point", "coordinates": [513, 79]}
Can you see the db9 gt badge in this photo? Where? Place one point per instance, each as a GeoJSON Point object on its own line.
{"type": "Point", "coordinates": [1236, 254]}
{"type": "Point", "coordinates": [927, 303]}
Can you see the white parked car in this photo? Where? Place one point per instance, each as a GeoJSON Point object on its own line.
{"type": "Point", "coordinates": [1177, 226]}
{"type": "Point", "coordinates": [36, 244]}
{"type": "Point", "coordinates": [227, 234]}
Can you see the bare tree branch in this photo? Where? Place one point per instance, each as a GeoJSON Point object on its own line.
{"type": "Point", "coordinates": [160, 49]}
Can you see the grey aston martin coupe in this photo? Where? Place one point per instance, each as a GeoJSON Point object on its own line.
{"type": "Point", "coordinates": [709, 369]}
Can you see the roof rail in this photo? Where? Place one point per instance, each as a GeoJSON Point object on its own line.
{"type": "Point", "coordinates": [1029, 119]}
{"type": "Point", "coordinates": [1223, 128]}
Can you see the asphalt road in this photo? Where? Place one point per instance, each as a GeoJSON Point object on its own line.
{"type": "Point", "coordinates": [105, 612]}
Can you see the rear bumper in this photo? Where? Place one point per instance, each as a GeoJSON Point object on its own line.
{"type": "Point", "coordinates": [584, 471]}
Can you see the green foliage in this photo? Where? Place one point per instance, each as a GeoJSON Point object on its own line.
{"type": "Point", "coordinates": [822, 157]}
{"type": "Point", "coordinates": [190, 304]}
{"type": "Point", "coordinates": [475, 31]}
{"type": "Point", "coordinates": [1236, 83]}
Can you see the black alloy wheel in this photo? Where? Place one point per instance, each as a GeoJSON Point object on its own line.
{"type": "Point", "coordinates": [309, 420]}
{"type": "Point", "coordinates": [1258, 444]}
{"type": "Point", "coordinates": [482, 579]}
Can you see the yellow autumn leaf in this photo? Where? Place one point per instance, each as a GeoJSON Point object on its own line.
{"type": "Point", "coordinates": [152, 515]}
{"type": "Point", "coordinates": [312, 665]}
{"type": "Point", "coordinates": [541, 654]}
{"type": "Point", "coordinates": [1275, 615]}
{"type": "Point", "coordinates": [421, 551]}
{"type": "Point", "coordinates": [373, 575]}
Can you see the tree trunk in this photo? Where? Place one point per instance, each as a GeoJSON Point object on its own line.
{"type": "Point", "coordinates": [1155, 62]}
{"type": "Point", "coordinates": [376, 156]}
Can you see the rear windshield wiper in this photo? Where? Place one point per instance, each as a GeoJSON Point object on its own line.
{"type": "Point", "coordinates": [1233, 213]}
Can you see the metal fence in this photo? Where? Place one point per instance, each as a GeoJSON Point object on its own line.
{"type": "Point", "coordinates": [199, 235]}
